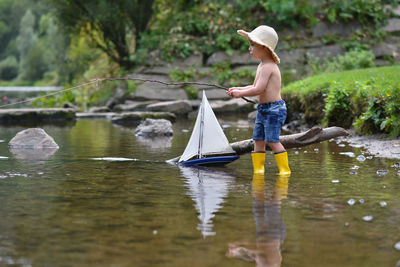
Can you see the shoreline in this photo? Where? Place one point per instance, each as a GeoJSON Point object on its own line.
{"type": "Point", "coordinates": [377, 145]}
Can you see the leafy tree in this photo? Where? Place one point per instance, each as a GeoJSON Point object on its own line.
{"type": "Point", "coordinates": [113, 26]}
{"type": "Point", "coordinates": [25, 41]}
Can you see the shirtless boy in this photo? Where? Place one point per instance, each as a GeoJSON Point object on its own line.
{"type": "Point", "coordinates": [267, 87]}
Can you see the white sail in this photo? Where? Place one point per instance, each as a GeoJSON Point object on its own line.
{"type": "Point", "coordinates": [207, 137]}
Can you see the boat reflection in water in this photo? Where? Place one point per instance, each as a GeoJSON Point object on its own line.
{"type": "Point", "coordinates": [208, 188]}
{"type": "Point", "coordinates": [271, 230]}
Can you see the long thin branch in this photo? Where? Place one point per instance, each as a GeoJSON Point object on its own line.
{"type": "Point", "coordinates": [172, 84]}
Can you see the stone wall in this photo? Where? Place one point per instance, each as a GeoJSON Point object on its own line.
{"type": "Point", "coordinates": [296, 49]}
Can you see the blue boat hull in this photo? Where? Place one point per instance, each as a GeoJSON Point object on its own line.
{"type": "Point", "coordinates": [212, 161]}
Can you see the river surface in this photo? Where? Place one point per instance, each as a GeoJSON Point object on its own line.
{"type": "Point", "coordinates": [107, 198]}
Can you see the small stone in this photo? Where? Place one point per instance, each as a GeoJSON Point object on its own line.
{"type": "Point", "coordinates": [360, 158]}
{"type": "Point", "coordinates": [353, 173]}
{"type": "Point", "coordinates": [382, 172]}
{"type": "Point", "coordinates": [355, 167]}
{"type": "Point", "coordinates": [361, 201]}
{"type": "Point", "coordinates": [351, 202]}
{"type": "Point", "coordinates": [349, 154]}
{"type": "Point", "coordinates": [383, 204]}
{"type": "Point", "coordinates": [368, 218]}
{"type": "Point", "coordinates": [335, 181]}
{"type": "Point", "coordinates": [397, 246]}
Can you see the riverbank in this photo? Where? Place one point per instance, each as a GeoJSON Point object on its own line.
{"type": "Point", "coordinates": [378, 145]}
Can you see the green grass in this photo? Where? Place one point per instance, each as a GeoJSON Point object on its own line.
{"type": "Point", "coordinates": [384, 77]}
{"type": "Point", "coordinates": [366, 99]}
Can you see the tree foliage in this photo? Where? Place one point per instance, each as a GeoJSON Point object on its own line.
{"type": "Point", "coordinates": [110, 25]}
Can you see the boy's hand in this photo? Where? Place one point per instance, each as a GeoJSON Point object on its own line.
{"type": "Point", "coordinates": [233, 92]}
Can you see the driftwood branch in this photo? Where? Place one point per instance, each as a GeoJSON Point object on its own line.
{"type": "Point", "coordinates": [312, 136]}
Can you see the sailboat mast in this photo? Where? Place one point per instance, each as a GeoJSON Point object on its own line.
{"type": "Point", "coordinates": [201, 127]}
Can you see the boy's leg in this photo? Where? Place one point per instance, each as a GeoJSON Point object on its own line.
{"type": "Point", "coordinates": [281, 157]}
{"type": "Point", "coordinates": [258, 157]}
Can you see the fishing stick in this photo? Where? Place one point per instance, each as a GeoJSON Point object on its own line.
{"type": "Point", "coordinates": [172, 84]}
{"type": "Point", "coordinates": [123, 79]}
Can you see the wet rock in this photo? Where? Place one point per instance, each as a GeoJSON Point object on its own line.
{"type": "Point", "coordinates": [92, 115]}
{"type": "Point", "coordinates": [361, 158]}
{"type": "Point", "coordinates": [179, 107]}
{"type": "Point", "coordinates": [33, 144]}
{"type": "Point", "coordinates": [32, 138]}
{"type": "Point", "coordinates": [133, 106]}
{"type": "Point", "coordinates": [351, 202]}
{"type": "Point", "coordinates": [137, 117]}
{"type": "Point", "coordinates": [150, 127]}
{"type": "Point", "coordinates": [368, 218]}
{"type": "Point", "coordinates": [349, 154]}
{"type": "Point", "coordinates": [382, 172]}
{"type": "Point", "coordinates": [36, 114]}
{"type": "Point", "coordinates": [99, 109]}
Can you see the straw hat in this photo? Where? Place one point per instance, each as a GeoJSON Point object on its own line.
{"type": "Point", "coordinates": [265, 36]}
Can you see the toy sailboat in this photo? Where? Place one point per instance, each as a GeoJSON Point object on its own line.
{"type": "Point", "coordinates": [208, 144]}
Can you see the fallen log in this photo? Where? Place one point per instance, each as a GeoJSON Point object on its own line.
{"type": "Point", "coordinates": [312, 136]}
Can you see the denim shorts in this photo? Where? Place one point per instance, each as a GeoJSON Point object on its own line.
{"type": "Point", "coordinates": [269, 120]}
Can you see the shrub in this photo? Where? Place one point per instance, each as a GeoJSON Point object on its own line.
{"type": "Point", "coordinates": [354, 59]}
{"type": "Point", "coordinates": [8, 68]}
{"type": "Point", "coordinates": [338, 108]}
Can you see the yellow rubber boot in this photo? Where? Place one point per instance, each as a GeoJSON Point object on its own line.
{"type": "Point", "coordinates": [281, 159]}
{"type": "Point", "coordinates": [258, 159]}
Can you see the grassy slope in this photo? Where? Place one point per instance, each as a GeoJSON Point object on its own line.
{"type": "Point", "coordinates": [384, 77]}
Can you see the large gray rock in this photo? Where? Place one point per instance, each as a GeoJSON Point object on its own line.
{"type": "Point", "coordinates": [155, 91]}
{"type": "Point", "coordinates": [217, 57]}
{"type": "Point", "coordinates": [324, 52]}
{"type": "Point", "coordinates": [36, 114]}
{"type": "Point", "coordinates": [179, 107]}
{"type": "Point", "coordinates": [213, 94]}
{"type": "Point", "coordinates": [323, 28]}
{"type": "Point", "coordinates": [295, 56]}
{"type": "Point", "coordinates": [137, 117]}
{"type": "Point", "coordinates": [150, 127]}
{"type": "Point", "coordinates": [393, 26]}
{"type": "Point", "coordinates": [385, 49]}
{"type": "Point", "coordinates": [32, 138]}
{"type": "Point", "coordinates": [133, 106]}
{"type": "Point", "coordinates": [233, 105]}
{"type": "Point", "coordinates": [243, 59]}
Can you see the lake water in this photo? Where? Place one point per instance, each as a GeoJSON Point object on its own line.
{"type": "Point", "coordinates": [107, 198]}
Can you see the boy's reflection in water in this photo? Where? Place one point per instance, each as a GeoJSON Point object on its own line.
{"type": "Point", "coordinates": [271, 230]}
